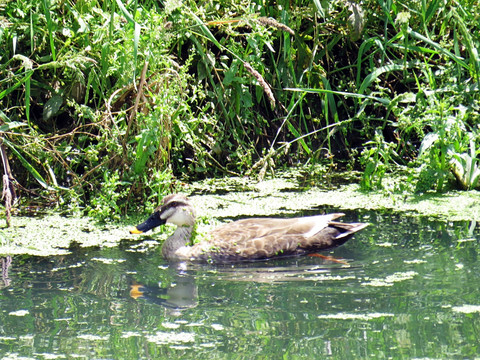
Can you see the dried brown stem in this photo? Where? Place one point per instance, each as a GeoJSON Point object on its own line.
{"type": "Point", "coordinates": [261, 81]}
{"type": "Point", "coordinates": [8, 192]}
{"type": "Point", "coordinates": [274, 23]}
{"type": "Point", "coordinates": [133, 114]}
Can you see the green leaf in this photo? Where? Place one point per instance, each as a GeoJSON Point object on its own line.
{"type": "Point", "coordinates": [206, 32]}
{"type": "Point", "coordinates": [52, 107]}
{"type": "Point", "coordinates": [376, 73]}
{"type": "Point", "coordinates": [50, 27]}
{"type": "Point", "coordinates": [28, 75]}
{"type": "Point", "coordinates": [27, 165]}
{"type": "Point", "coordinates": [297, 135]}
{"type": "Point", "coordinates": [125, 11]}
{"type": "Point", "coordinates": [427, 142]}
{"type": "Point", "coordinates": [230, 73]}
{"type": "Point", "coordinates": [438, 47]}
{"type": "Point", "coordinates": [10, 125]}
{"type": "Point", "coordinates": [319, 7]}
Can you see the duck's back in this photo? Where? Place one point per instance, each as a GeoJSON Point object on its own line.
{"type": "Point", "coordinates": [262, 238]}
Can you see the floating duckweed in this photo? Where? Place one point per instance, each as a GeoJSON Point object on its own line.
{"type": "Point", "coordinates": [415, 261]}
{"type": "Point", "coordinates": [386, 244]}
{"type": "Point", "coordinates": [331, 278]}
{"type": "Point", "coordinates": [170, 338]}
{"type": "Point", "coordinates": [466, 309]}
{"type": "Point", "coordinates": [391, 279]}
{"type": "Point", "coordinates": [346, 316]}
{"type": "Point", "coordinates": [19, 313]}
{"type": "Point", "coordinates": [109, 261]}
{"type": "Point", "coordinates": [92, 337]}
{"type": "Point", "coordinates": [274, 196]}
{"type": "Point", "coordinates": [129, 334]}
{"type": "Point", "coordinates": [169, 325]}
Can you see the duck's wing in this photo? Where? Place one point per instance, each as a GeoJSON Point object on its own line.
{"type": "Point", "coordinates": [268, 237]}
{"type": "Point", "coordinates": [335, 234]}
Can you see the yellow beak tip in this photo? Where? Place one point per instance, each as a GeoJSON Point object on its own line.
{"type": "Point", "coordinates": [135, 231]}
{"type": "Point", "coordinates": [135, 291]}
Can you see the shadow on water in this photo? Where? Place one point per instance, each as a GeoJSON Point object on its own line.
{"type": "Point", "coordinates": [403, 287]}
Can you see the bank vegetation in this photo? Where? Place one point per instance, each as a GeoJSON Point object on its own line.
{"type": "Point", "coordinates": [110, 104]}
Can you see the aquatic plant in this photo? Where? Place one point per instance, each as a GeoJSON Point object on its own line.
{"type": "Point", "coordinates": [465, 167]}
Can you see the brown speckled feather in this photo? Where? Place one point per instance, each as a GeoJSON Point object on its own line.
{"type": "Point", "coordinates": [263, 238]}
{"type": "Point", "coordinates": [250, 239]}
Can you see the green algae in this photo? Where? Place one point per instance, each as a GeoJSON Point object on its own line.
{"type": "Point", "coordinates": [451, 206]}
{"type": "Point", "coordinates": [223, 200]}
{"type": "Point", "coordinates": [275, 197]}
{"type": "Point", "coordinates": [54, 235]}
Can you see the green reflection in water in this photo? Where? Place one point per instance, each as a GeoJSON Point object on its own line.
{"type": "Point", "coordinates": [410, 289]}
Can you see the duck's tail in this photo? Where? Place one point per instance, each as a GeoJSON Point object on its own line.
{"type": "Point", "coordinates": [347, 229]}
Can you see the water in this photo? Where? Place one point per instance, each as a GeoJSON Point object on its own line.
{"type": "Point", "coordinates": [402, 288]}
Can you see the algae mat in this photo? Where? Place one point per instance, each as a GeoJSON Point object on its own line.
{"type": "Point", "coordinates": [54, 234]}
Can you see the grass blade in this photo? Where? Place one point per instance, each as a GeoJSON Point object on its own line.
{"type": "Point", "coordinates": [470, 44]}
{"type": "Point", "coordinates": [136, 34]}
{"type": "Point", "coordinates": [376, 73]}
{"type": "Point", "coordinates": [440, 48]}
{"type": "Point", "coordinates": [340, 93]}
{"type": "Point", "coordinates": [46, 6]}
{"type": "Point", "coordinates": [27, 165]}
{"type": "Point", "coordinates": [319, 7]}
{"type": "Point", "coordinates": [10, 125]}
{"type": "Point", "coordinates": [125, 12]}
{"type": "Point", "coordinates": [23, 80]}
{"type": "Point", "coordinates": [206, 31]}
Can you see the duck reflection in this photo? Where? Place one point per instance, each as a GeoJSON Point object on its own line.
{"type": "Point", "coordinates": [179, 295]}
{"type": "Point", "coordinates": [182, 292]}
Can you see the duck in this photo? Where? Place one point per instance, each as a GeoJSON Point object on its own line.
{"type": "Point", "coordinates": [247, 239]}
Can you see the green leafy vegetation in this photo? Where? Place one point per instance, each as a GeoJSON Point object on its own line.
{"type": "Point", "coordinates": [109, 104]}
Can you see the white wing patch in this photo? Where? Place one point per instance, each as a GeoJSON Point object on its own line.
{"type": "Point", "coordinates": [319, 223]}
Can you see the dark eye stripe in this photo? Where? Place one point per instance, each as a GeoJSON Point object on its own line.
{"type": "Point", "coordinates": [173, 204]}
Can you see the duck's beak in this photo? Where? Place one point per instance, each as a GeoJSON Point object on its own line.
{"type": "Point", "coordinates": [135, 231]}
{"type": "Point", "coordinates": [136, 291]}
{"type": "Point", "coordinates": [152, 222]}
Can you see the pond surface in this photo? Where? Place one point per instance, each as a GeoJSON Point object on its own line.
{"type": "Point", "coordinates": [402, 288]}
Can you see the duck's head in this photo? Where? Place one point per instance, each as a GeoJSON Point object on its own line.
{"type": "Point", "coordinates": [175, 209]}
